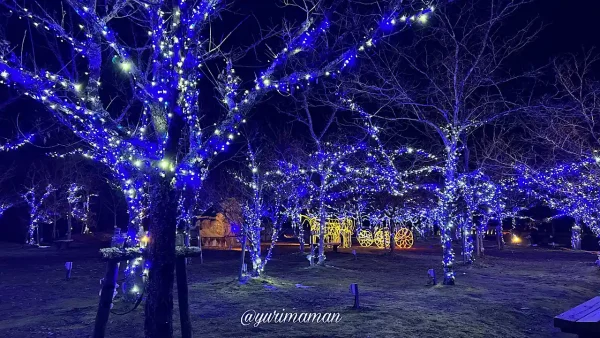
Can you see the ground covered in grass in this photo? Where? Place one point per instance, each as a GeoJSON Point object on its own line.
{"type": "Point", "coordinates": [511, 293]}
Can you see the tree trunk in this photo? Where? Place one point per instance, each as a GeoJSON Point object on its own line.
{"type": "Point", "coordinates": [463, 242]}
{"type": "Point", "coordinates": [467, 240]}
{"type": "Point", "coordinates": [161, 256]}
{"type": "Point", "coordinates": [468, 246]}
{"type": "Point", "coordinates": [69, 224]}
{"type": "Point", "coordinates": [576, 236]}
{"type": "Point", "coordinates": [392, 240]}
{"type": "Point", "coordinates": [448, 259]}
{"type": "Point", "coordinates": [448, 209]}
{"type": "Point", "coordinates": [106, 298]}
{"type": "Point", "coordinates": [322, 221]}
{"type": "Point", "coordinates": [274, 237]}
{"type": "Point", "coordinates": [244, 239]}
{"type": "Point", "coordinates": [182, 296]}
{"type": "Point", "coordinates": [200, 246]}
{"type": "Point", "coordinates": [500, 235]}
{"type": "Point", "coordinates": [479, 241]}
{"type": "Point", "coordinates": [301, 237]}
{"type": "Point", "coordinates": [54, 229]}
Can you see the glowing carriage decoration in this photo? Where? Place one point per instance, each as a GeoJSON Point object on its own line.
{"type": "Point", "coordinates": [340, 231]}
{"type": "Point", "coordinates": [403, 238]}
{"type": "Point", "coordinates": [337, 230]}
{"type": "Point", "coordinates": [382, 221]}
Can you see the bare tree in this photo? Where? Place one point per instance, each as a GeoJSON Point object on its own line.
{"type": "Point", "coordinates": [565, 172]}
{"type": "Point", "coordinates": [450, 82]}
{"type": "Point", "coordinates": [38, 189]}
{"type": "Point", "coordinates": [7, 197]}
{"type": "Point", "coordinates": [571, 128]}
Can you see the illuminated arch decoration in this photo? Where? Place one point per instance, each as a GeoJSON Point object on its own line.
{"type": "Point", "coordinates": [337, 230]}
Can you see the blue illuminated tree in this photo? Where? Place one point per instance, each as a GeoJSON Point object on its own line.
{"type": "Point", "coordinates": [568, 138]}
{"type": "Point", "coordinates": [134, 80]}
{"type": "Point", "coordinates": [571, 189]}
{"type": "Point", "coordinates": [271, 197]}
{"type": "Point", "coordinates": [446, 85]}
{"type": "Point", "coordinates": [38, 214]}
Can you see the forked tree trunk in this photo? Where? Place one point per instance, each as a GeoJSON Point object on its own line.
{"type": "Point", "coordinates": [161, 257]}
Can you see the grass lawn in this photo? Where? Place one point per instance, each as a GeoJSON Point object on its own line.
{"type": "Point", "coordinates": [511, 293]}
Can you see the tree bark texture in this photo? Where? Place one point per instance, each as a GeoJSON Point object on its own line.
{"type": "Point", "coordinates": [161, 257]}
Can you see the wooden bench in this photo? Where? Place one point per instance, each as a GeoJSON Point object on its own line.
{"type": "Point", "coordinates": [582, 320]}
{"type": "Point", "coordinates": [62, 243]}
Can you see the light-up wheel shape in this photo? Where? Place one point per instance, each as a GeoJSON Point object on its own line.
{"type": "Point", "coordinates": [365, 238]}
{"type": "Point", "coordinates": [404, 238]}
{"type": "Point", "coordinates": [382, 238]}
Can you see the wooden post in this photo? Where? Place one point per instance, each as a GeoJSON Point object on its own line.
{"type": "Point", "coordinates": [106, 298]}
{"type": "Point", "coordinates": [431, 274]}
{"type": "Point", "coordinates": [354, 290]}
{"type": "Point", "coordinates": [69, 223]}
{"type": "Point", "coordinates": [68, 267]}
{"type": "Point", "coordinates": [182, 296]}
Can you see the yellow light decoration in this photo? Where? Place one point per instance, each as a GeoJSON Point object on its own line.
{"type": "Point", "coordinates": [404, 238]}
{"type": "Point", "coordinates": [365, 237]}
{"type": "Point", "coordinates": [337, 230]}
{"type": "Point", "coordinates": [144, 241]}
{"type": "Point", "coordinates": [382, 238]}
{"type": "Point", "coordinates": [516, 239]}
